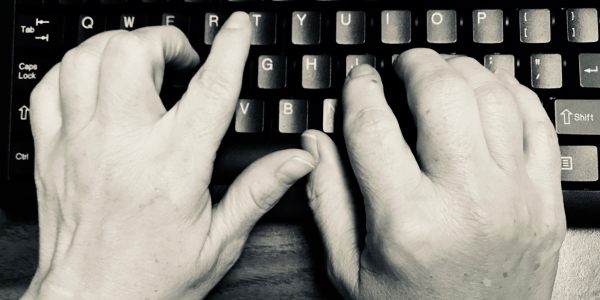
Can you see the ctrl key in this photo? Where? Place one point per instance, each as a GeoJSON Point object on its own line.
{"type": "Point", "coordinates": [21, 160]}
{"type": "Point", "coordinates": [579, 163]}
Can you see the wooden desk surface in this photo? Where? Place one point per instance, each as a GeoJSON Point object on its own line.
{"type": "Point", "coordinates": [285, 261]}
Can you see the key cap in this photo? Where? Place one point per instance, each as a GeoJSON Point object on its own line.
{"type": "Point", "coordinates": [249, 116]}
{"type": "Point", "coordinates": [21, 159]}
{"type": "Point", "coordinates": [350, 27]}
{"type": "Point", "coordinates": [579, 163]}
{"type": "Point", "coordinates": [306, 28]}
{"type": "Point", "coordinates": [28, 71]}
{"type": "Point", "coordinates": [535, 26]}
{"type": "Point", "coordinates": [89, 25]}
{"type": "Point", "coordinates": [272, 71]}
{"type": "Point", "coordinates": [39, 31]}
{"type": "Point", "coordinates": [212, 24]}
{"type": "Point", "coordinates": [488, 26]}
{"type": "Point", "coordinates": [505, 62]}
{"type": "Point", "coordinates": [396, 27]}
{"type": "Point", "coordinates": [355, 60]}
{"type": "Point", "coordinates": [293, 116]}
{"type": "Point", "coordinates": [264, 29]}
{"type": "Point", "coordinates": [589, 73]}
{"type": "Point", "coordinates": [546, 71]}
{"type": "Point", "coordinates": [316, 71]}
{"type": "Point", "coordinates": [132, 21]}
{"type": "Point", "coordinates": [577, 117]}
{"type": "Point", "coordinates": [178, 20]}
{"type": "Point", "coordinates": [329, 108]}
{"type": "Point", "coordinates": [20, 116]}
{"type": "Point", "coordinates": [441, 26]}
{"type": "Point", "coordinates": [582, 25]}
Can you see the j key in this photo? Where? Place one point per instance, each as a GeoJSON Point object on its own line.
{"type": "Point", "coordinates": [28, 71]}
{"type": "Point", "coordinates": [488, 26]}
{"type": "Point", "coordinates": [589, 70]}
{"type": "Point", "coordinates": [441, 26]}
{"type": "Point", "coordinates": [329, 108]}
{"type": "Point", "coordinates": [212, 24]}
{"type": "Point", "coordinates": [178, 20]}
{"type": "Point", "coordinates": [264, 29]}
{"type": "Point", "coordinates": [579, 163]}
{"type": "Point", "coordinates": [316, 71]}
{"type": "Point", "coordinates": [293, 116]}
{"type": "Point", "coordinates": [504, 62]}
{"type": "Point", "coordinates": [355, 60]}
{"type": "Point", "coordinates": [350, 27]}
{"type": "Point", "coordinates": [132, 21]}
{"type": "Point", "coordinates": [306, 28]}
{"type": "Point", "coordinates": [535, 26]}
{"type": "Point", "coordinates": [396, 27]}
{"type": "Point", "coordinates": [582, 25]}
{"type": "Point", "coordinates": [272, 71]}
{"type": "Point", "coordinates": [577, 117]}
{"type": "Point", "coordinates": [249, 116]}
{"type": "Point", "coordinates": [39, 31]}
{"type": "Point", "coordinates": [89, 25]}
{"type": "Point", "coordinates": [546, 71]}
{"type": "Point", "coordinates": [21, 160]}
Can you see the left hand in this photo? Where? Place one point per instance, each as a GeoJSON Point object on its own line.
{"type": "Point", "coordinates": [124, 206]}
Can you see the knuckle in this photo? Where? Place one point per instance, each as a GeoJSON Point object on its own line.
{"type": "Point", "coordinates": [126, 43]}
{"type": "Point", "coordinates": [416, 55]}
{"type": "Point", "coordinates": [370, 123]}
{"type": "Point", "coordinates": [368, 83]}
{"type": "Point", "coordinates": [547, 132]}
{"type": "Point", "coordinates": [443, 81]}
{"type": "Point", "coordinates": [463, 61]}
{"type": "Point", "coordinates": [215, 85]}
{"type": "Point", "coordinates": [495, 94]}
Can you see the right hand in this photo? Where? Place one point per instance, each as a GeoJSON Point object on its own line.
{"type": "Point", "coordinates": [478, 216]}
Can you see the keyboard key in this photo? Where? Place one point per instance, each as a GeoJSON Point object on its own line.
{"type": "Point", "coordinates": [329, 108]}
{"type": "Point", "coordinates": [546, 71]}
{"type": "Point", "coordinates": [39, 31]}
{"type": "Point", "coordinates": [535, 26]}
{"type": "Point", "coordinates": [355, 60]}
{"type": "Point", "coordinates": [212, 24]}
{"type": "Point", "coordinates": [350, 27]}
{"type": "Point", "coordinates": [577, 117]}
{"type": "Point", "coordinates": [441, 26]}
{"type": "Point", "coordinates": [504, 62]}
{"type": "Point", "coordinates": [132, 21]}
{"type": "Point", "coordinates": [293, 116]}
{"type": "Point", "coordinates": [21, 159]}
{"type": "Point", "coordinates": [488, 26]}
{"type": "Point", "coordinates": [21, 115]}
{"type": "Point", "coordinates": [316, 71]}
{"type": "Point", "coordinates": [396, 27]}
{"type": "Point", "coordinates": [306, 28]}
{"type": "Point", "coordinates": [178, 20]}
{"type": "Point", "coordinates": [89, 25]}
{"type": "Point", "coordinates": [249, 116]}
{"type": "Point", "coordinates": [272, 72]}
{"type": "Point", "coordinates": [28, 71]}
{"type": "Point", "coordinates": [264, 28]}
{"type": "Point", "coordinates": [582, 25]}
{"type": "Point", "coordinates": [579, 163]}
{"type": "Point", "coordinates": [589, 73]}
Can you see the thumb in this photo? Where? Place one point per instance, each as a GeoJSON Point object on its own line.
{"type": "Point", "coordinates": [333, 207]}
{"type": "Point", "coordinates": [251, 195]}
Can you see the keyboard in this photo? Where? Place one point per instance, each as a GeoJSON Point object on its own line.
{"type": "Point", "coordinates": [301, 53]}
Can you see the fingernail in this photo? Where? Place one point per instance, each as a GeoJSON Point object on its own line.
{"type": "Point", "coordinates": [296, 167]}
{"type": "Point", "coordinates": [237, 20]}
{"type": "Point", "coordinates": [310, 144]}
{"type": "Point", "coordinates": [504, 76]}
{"type": "Point", "coordinates": [361, 70]}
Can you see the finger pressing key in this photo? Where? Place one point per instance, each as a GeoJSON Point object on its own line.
{"type": "Point", "coordinates": [450, 138]}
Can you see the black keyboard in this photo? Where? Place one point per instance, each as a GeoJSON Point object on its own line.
{"type": "Point", "coordinates": [301, 53]}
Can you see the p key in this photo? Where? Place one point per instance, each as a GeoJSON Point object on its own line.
{"type": "Point", "coordinates": [488, 26]}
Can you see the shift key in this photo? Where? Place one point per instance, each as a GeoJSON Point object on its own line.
{"type": "Point", "coordinates": [577, 117]}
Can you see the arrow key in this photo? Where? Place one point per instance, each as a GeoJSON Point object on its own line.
{"type": "Point", "coordinates": [589, 70]}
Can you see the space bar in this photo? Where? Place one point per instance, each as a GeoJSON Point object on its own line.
{"type": "Point", "coordinates": [233, 159]}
